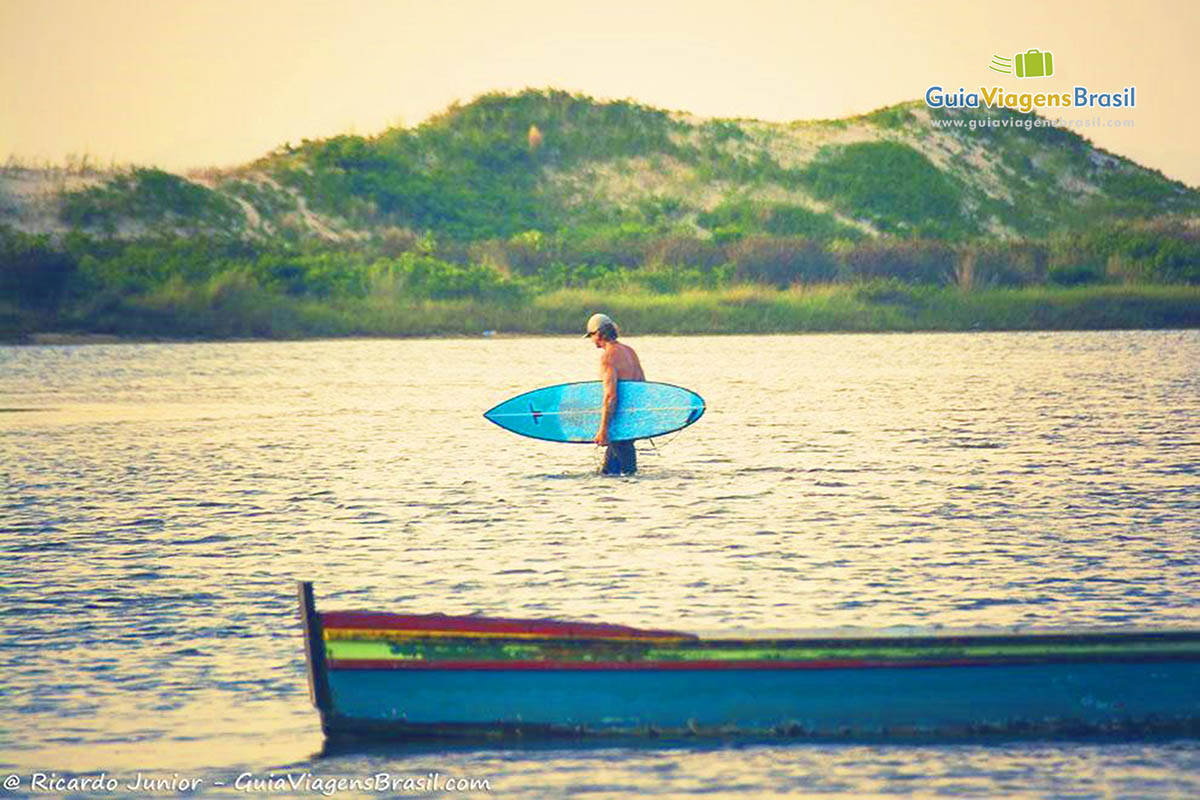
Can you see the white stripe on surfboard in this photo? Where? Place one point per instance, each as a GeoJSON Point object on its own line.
{"type": "Point", "coordinates": [595, 410]}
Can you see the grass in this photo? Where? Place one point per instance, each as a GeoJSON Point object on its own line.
{"type": "Point", "coordinates": [224, 309]}
{"type": "Point", "coordinates": [832, 308]}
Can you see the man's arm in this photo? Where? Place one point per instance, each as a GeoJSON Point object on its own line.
{"type": "Point", "coordinates": [608, 376]}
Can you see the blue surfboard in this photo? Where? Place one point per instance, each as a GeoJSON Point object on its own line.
{"type": "Point", "coordinates": [570, 412]}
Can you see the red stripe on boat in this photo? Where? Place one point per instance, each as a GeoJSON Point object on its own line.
{"type": "Point", "coordinates": [365, 620]}
{"type": "Point", "coordinates": [383, 664]}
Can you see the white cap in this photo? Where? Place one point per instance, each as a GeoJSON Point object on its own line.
{"type": "Point", "coordinates": [598, 321]}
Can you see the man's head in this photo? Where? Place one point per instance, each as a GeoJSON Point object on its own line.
{"type": "Point", "coordinates": [601, 329]}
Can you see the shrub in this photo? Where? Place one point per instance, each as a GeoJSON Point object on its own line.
{"type": "Point", "coordinates": [887, 291]}
{"type": "Point", "coordinates": [624, 246]}
{"type": "Point", "coordinates": [889, 183]}
{"type": "Point", "coordinates": [143, 264]}
{"type": "Point", "coordinates": [781, 261]}
{"type": "Point", "coordinates": [734, 218]}
{"type": "Point", "coordinates": [1076, 275]}
{"type": "Point", "coordinates": [1002, 264]}
{"type": "Point", "coordinates": [1167, 250]}
{"type": "Point", "coordinates": [911, 261]}
{"type": "Point", "coordinates": [150, 196]}
{"type": "Point", "coordinates": [316, 275]}
{"type": "Point", "coordinates": [33, 272]}
{"type": "Point", "coordinates": [526, 253]}
{"type": "Point", "coordinates": [684, 251]}
{"type": "Point", "coordinates": [675, 279]}
{"type": "Point", "coordinates": [422, 277]}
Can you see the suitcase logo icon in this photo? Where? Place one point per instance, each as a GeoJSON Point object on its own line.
{"type": "Point", "coordinates": [1034, 64]}
{"type": "Point", "coordinates": [1030, 64]}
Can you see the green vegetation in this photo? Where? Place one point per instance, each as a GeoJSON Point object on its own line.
{"type": "Point", "coordinates": [733, 219]}
{"type": "Point", "coordinates": [150, 196]}
{"type": "Point", "coordinates": [1132, 276]}
{"type": "Point", "coordinates": [893, 117]}
{"type": "Point", "coordinates": [474, 221]}
{"type": "Point", "coordinates": [471, 172]}
{"type": "Point", "coordinates": [233, 305]}
{"type": "Point", "coordinates": [891, 184]}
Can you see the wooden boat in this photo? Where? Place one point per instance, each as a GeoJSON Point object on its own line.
{"type": "Point", "coordinates": [438, 676]}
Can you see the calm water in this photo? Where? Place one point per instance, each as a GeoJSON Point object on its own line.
{"type": "Point", "coordinates": [159, 500]}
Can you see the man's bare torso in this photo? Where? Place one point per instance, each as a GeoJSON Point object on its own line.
{"type": "Point", "coordinates": [624, 360]}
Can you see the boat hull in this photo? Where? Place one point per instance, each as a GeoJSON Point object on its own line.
{"type": "Point", "coordinates": [414, 677]}
{"type": "Point", "coordinates": [1054, 698]}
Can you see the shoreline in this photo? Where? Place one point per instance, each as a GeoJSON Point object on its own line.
{"type": "Point", "coordinates": [731, 311]}
{"type": "Point", "coordinates": [53, 339]}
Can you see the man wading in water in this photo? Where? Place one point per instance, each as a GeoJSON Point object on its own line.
{"type": "Point", "coordinates": [618, 363]}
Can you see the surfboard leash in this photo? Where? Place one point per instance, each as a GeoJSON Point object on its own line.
{"type": "Point", "coordinates": [654, 443]}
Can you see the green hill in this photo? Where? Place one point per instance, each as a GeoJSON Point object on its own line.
{"type": "Point", "coordinates": [472, 174]}
{"type": "Point", "coordinates": [515, 197]}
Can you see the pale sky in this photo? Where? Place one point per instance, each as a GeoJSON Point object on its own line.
{"type": "Point", "coordinates": [220, 82]}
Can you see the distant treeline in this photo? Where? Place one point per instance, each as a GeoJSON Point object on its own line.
{"type": "Point", "coordinates": [86, 282]}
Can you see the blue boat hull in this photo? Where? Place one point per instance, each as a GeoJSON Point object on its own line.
{"type": "Point", "coordinates": [435, 676]}
{"type": "Point", "coordinates": [1090, 697]}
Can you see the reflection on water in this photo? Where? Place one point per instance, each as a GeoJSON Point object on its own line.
{"type": "Point", "coordinates": [159, 499]}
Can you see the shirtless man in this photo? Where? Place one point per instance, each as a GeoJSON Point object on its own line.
{"type": "Point", "coordinates": [618, 362]}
